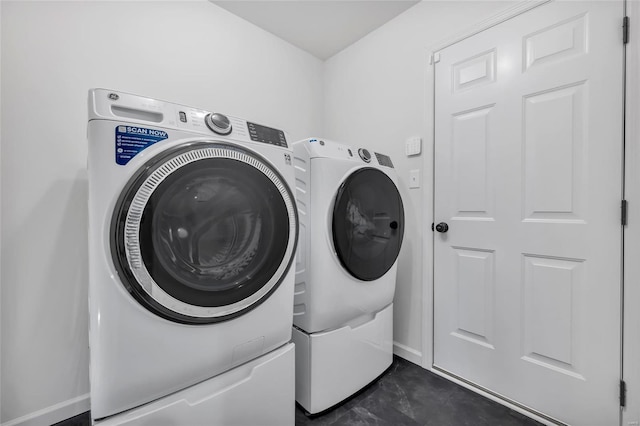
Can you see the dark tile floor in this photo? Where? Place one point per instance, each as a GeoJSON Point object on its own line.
{"type": "Point", "coordinates": [405, 395]}
{"type": "Point", "coordinates": [408, 395]}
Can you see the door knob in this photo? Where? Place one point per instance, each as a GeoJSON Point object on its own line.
{"type": "Point", "coordinates": [442, 227]}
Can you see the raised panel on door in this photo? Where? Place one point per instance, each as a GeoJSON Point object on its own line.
{"type": "Point", "coordinates": [556, 42]}
{"type": "Point", "coordinates": [554, 154]}
{"type": "Point", "coordinates": [552, 299]}
{"type": "Point", "coordinates": [528, 154]}
{"type": "Point", "coordinates": [471, 164]}
{"type": "Point", "coordinates": [474, 287]}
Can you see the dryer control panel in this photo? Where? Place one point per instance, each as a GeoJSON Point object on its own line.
{"type": "Point", "coordinates": [384, 160]}
{"type": "Point", "coordinates": [324, 148]}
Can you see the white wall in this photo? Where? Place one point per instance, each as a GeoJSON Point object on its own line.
{"type": "Point", "coordinates": [375, 97]}
{"type": "Point", "coordinates": [52, 52]}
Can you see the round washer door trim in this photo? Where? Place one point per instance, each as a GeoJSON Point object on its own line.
{"type": "Point", "coordinates": [144, 184]}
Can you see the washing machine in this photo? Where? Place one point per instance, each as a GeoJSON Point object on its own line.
{"type": "Point", "coordinates": [351, 231]}
{"type": "Point", "coordinates": [192, 236]}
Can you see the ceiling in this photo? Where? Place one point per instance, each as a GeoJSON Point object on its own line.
{"type": "Point", "coordinates": [321, 27]}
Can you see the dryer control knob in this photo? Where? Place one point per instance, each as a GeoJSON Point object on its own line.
{"type": "Point", "coordinates": [365, 155]}
{"type": "Point", "coordinates": [219, 123]}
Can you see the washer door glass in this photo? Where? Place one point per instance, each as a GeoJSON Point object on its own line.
{"type": "Point", "coordinates": [205, 233]}
{"type": "Point", "coordinates": [368, 224]}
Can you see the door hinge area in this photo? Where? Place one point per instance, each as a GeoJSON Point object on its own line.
{"type": "Point", "coordinates": [623, 393]}
{"type": "Point", "coordinates": [625, 30]}
{"type": "Point", "coordinates": [623, 212]}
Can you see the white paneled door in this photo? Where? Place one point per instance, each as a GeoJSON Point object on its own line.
{"type": "Point", "coordinates": [528, 179]}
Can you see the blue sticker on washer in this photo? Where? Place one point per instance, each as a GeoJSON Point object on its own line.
{"type": "Point", "coordinates": [131, 140]}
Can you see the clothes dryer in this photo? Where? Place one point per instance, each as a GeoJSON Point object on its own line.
{"type": "Point", "coordinates": [192, 234]}
{"type": "Point", "coordinates": [352, 226]}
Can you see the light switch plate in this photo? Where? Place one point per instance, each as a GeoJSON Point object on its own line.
{"type": "Point", "coordinates": [413, 146]}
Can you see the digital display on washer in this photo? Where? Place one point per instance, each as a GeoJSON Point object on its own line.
{"type": "Point", "coordinates": [265, 134]}
{"type": "Point", "coordinates": [384, 160]}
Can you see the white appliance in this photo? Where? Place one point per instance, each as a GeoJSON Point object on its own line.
{"type": "Point", "coordinates": [259, 392]}
{"type": "Point", "coordinates": [351, 229]}
{"type": "Point", "coordinates": [192, 234]}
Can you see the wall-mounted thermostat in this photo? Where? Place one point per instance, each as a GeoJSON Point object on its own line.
{"type": "Point", "coordinates": [413, 146]}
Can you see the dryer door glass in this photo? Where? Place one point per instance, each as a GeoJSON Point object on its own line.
{"type": "Point", "coordinates": [368, 224]}
{"type": "Point", "coordinates": [206, 234]}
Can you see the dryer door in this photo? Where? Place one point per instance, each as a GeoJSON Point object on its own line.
{"type": "Point", "coordinates": [204, 233]}
{"type": "Point", "coordinates": [368, 224]}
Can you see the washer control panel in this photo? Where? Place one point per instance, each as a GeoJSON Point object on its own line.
{"type": "Point", "coordinates": [159, 119]}
{"type": "Point", "coordinates": [264, 134]}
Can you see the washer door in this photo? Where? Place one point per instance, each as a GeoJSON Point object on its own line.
{"type": "Point", "coordinates": [368, 224]}
{"type": "Point", "coordinates": [204, 233]}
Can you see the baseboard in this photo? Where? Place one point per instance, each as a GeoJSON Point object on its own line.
{"type": "Point", "coordinates": [54, 414]}
{"type": "Point", "coordinates": [407, 353]}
